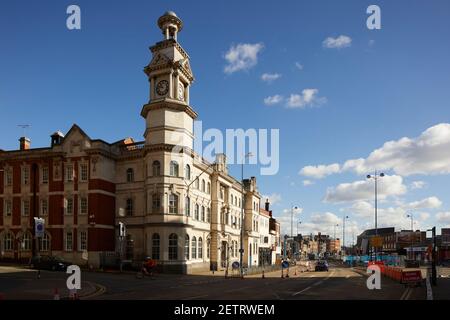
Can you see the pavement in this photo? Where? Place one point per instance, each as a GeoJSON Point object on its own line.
{"type": "Point", "coordinates": [339, 283]}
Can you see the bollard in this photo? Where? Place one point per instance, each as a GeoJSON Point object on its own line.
{"type": "Point", "coordinates": [263, 275]}
{"type": "Point", "coordinates": [39, 274]}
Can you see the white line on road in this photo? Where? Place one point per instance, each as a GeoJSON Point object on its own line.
{"type": "Point", "coordinates": [307, 288]}
{"type": "Point", "coordinates": [314, 285]}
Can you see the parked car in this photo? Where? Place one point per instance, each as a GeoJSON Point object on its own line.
{"type": "Point", "coordinates": [53, 263]}
{"type": "Point", "coordinates": [321, 266]}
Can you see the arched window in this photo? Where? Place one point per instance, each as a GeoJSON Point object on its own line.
{"type": "Point", "coordinates": [129, 207]}
{"type": "Point", "coordinates": [203, 213]}
{"type": "Point", "coordinates": [203, 185]}
{"type": "Point", "coordinates": [173, 247]}
{"type": "Point", "coordinates": [196, 185]}
{"type": "Point", "coordinates": [173, 203]}
{"type": "Point", "coordinates": [174, 168]}
{"type": "Point", "coordinates": [156, 168]}
{"type": "Point", "coordinates": [200, 248]}
{"type": "Point", "coordinates": [208, 188]}
{"type": "Point", "coordinates": [196, 211]}
{"type": "Point", "coordinates": [155, 246]}
{"type": "Point", "coordinates": [130, 175]}
{"type": "Point", "coordinates": [8, 241]}
{"type": "Point", "coordinates": [187, 172]}
{"type": "Point", "coordinates": [208, 215]}
{"type": "Point", "coordinates": [194, 248]}
{"type": "Point", "coordinates": [26, 242]}
{"type": "Point", "coordinates": [187, 206]}
{"type": "Point", "coordinates": [186, 247]}
{"type": "Point", "coordinates": [44, 242]}
{"type": "Point", "coordinates": [208, 248]}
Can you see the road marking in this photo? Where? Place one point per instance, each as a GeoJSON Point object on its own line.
{"type": "Point", "coordinates": [313, 285]}
{"type": "Point", "coordinates": [307, 288]}
{"type": "Point", "coordinates": [406, 294]}
{"type": "Point", "coordinates": [99, 291]}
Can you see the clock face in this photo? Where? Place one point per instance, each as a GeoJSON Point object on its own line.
{"type": "Point", "coordinates": [162, 87]}
{"type": "Point", "coordinates": [181, 91]}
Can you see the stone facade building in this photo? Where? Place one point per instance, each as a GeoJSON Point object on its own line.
{"type": "Point", "coordinates": [177, 208]}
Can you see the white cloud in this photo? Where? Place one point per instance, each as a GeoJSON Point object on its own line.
{"type": "Point", "coordinates": [272, 100]}
{"type": "Point", "coordinates": [418, 185]}
{"type": "Point", "coordinates": [273, 198]}
{"type": "Point", "coordinates": [427, 203]}
{"type": "Point", "coordinates": [295, 210]}
{"type": "Point", "coordinates": [364, 190]}
{"type": "Point", "coordinates": [298, 65]}
{"type": "Point", "coordinates": [307, 183]}
{"type": "Point", "coordinates": [320, 171]}
{"type": "Point", "coordinates": [443, 217]}
{"type": "Point", "coordinates": [337, 43]}
{"type": "Point", "coordinates": [427, 154]}
{"type": "Point", "coordinates": [269, 77]}
{"type": "Point", "coordinates": [242, 57]}
{"type": "Point", "coordinates": [308, 97]}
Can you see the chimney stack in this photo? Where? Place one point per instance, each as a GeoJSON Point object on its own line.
{"type": "Point", "coordinates": [25, 143]}
{"type": "Point", "coordinates": [267, 205]}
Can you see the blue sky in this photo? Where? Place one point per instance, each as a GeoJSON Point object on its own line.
{"type": "Point", "coordinates": [379, 86]}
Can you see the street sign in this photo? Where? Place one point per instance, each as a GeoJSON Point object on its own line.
{"type": "Point", "coordinates": [39, 227]}
{"type": "Point", "coordinates": [122, 229]}
{"type": "Point", "coordinates": [235, 265]}
{"type": "Point", "coordinates": [376, 242]}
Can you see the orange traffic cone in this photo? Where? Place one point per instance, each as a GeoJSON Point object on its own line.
{"type": "Point", "coordinates": [56, 294]}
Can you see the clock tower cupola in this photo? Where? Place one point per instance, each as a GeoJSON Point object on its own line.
{"type": "Point", "coordinates": [169, 117]}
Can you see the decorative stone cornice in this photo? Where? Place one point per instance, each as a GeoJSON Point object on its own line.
{"type": "Point", "coordinates": [168, 103]}
{"type": "Point", "coordinates": [166, 44]}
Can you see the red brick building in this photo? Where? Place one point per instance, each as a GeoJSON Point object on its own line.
{"type": "Point", "coordinates": [64, 184]}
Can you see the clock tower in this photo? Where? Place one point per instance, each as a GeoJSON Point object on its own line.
{"type": "Point", "coordinates": [169, 118]}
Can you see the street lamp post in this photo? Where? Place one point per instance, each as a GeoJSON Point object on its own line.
{"type": "Point", "coordinates": [343, 234]}
{"type": "Point", "coordinates": [292, 226]}
{"type": "Point", "coordinates": [411, 256]}
{"type": "Point", "coordinates": [298, 222]}
{"type": "Point", "coordinates": [375, 177]}
{"type": "Point", "coordinates": [241, 249]}
{"type": "Point", "coordinates": [334, 239]}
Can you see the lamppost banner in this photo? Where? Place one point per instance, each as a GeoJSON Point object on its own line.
{"type": "Point", "coordinates": [39, 227]}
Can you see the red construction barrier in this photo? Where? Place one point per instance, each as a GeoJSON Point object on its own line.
{"type": "Point", "coordinates": [411, 277]}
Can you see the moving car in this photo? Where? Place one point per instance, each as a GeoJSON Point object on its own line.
{"type": "Point", "coordinates": [52, 263]}
{"type": "Point", "coordinates": [321, 266]}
